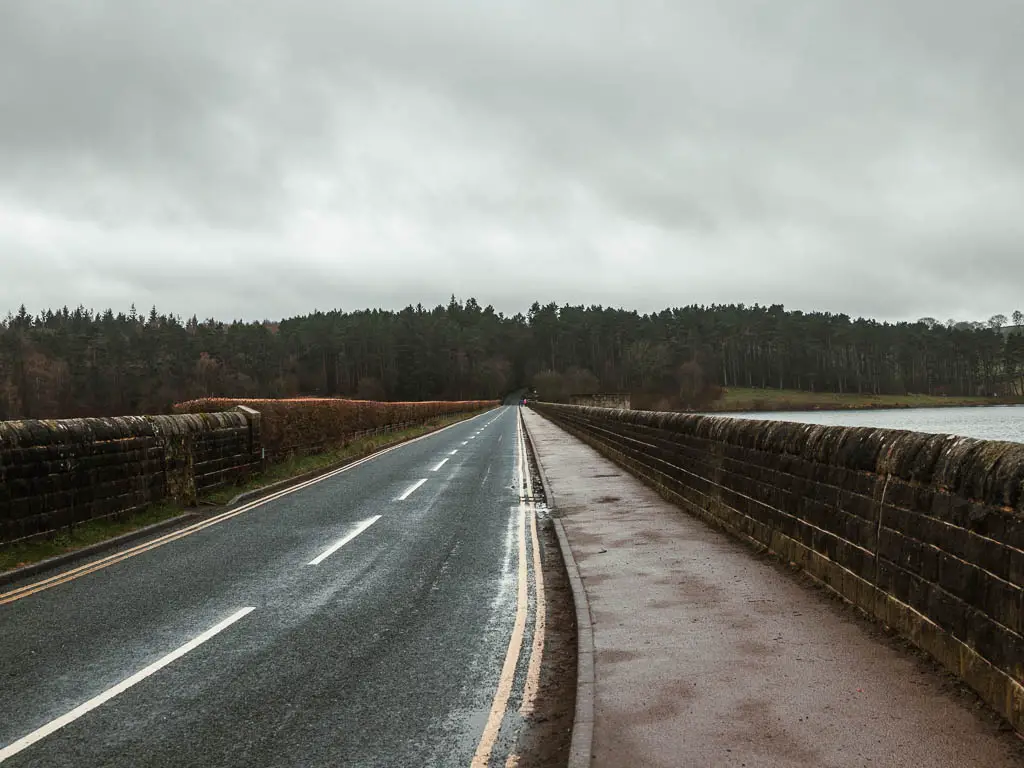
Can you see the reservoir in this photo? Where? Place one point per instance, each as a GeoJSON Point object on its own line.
{"type": "Point", "coordinates": [986, 423]}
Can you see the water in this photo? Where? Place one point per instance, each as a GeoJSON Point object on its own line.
{"type": "Point", "coordinates": [1004, 422]}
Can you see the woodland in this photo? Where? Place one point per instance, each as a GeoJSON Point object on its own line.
{"type": "Point", "coordinates": [70, 363]}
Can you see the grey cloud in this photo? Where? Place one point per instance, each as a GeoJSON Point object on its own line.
{"type": "Point", "coordinates": [852, 157]}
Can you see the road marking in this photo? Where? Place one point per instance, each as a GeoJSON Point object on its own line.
{"type": "Point", "coordinates": [55, 725]}
{"type": "Point", "coordinates": [508, 670]}
{"type": "Point", "coordinates": [412, 489]}
{"type": "Point", "coordinates": [465, 442]}
{"type": "Point", "coordinates": [105, 562]}
{"type": "Point", "coordinates": [443, 462]}
{"type": "Point", "coordinates": [452, 453]}
{"type": "Point", "coordinates": [338, 545]}
{"type": "Point", "coordinates": [532, 685]}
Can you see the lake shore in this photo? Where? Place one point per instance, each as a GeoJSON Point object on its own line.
{"type": "Point", "coordinates": [745, 400]}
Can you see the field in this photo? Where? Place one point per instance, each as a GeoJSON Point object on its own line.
{"type": "Point", "coordinates": [743, 399]}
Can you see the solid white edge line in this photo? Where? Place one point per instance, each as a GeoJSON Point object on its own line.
{"type": "Point", "coordinates": [55, 725]}
{"type": "Point", "coordinates": [362, 526]}
{"type": "Point", "coordinates": [412, 489]}
{"type": "Point", "coordinates": [441, 464]}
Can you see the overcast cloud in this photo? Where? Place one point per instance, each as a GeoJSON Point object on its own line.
{"type": "Point", "coordinates": [260, 160]}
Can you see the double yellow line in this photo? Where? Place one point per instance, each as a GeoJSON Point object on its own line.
{"type": "Point", "coordinates": [97, 565]}
{"type": "Point", "coordinates": [499, 705]}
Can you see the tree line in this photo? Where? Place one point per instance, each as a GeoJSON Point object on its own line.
{"type": "Point", "coordinates": [66, 363]}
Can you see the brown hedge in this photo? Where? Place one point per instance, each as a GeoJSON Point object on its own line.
{"type": "Point", "coordinates": [306, 425]}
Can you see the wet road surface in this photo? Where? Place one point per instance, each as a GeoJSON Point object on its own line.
{"type": "Point", "coordinates": [365, 619]}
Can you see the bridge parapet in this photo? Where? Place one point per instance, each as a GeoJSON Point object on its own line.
{"type": "Point", "coordinates": [55, 474]}
{"type": "Point", "coordinates": [924, 532]}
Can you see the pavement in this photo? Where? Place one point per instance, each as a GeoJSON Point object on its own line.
{"type": "Point", "coordinates": [362, 619]}
{"type": "Point", "coordinates": [706, 654]}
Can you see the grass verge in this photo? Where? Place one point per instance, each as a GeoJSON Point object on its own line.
{"type": "Point", "coordinates": [95, 531]}
{"type": "Point", "coordinates": [744, 399]}
{"type": "Point", "coordinates": [83, 535]}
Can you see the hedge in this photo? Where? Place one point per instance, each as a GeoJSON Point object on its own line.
{"type": "Point", "coordinates": [309, 425]}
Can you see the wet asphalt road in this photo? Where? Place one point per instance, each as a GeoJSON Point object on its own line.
{"type": "Point", "coordinates": [386, 652]}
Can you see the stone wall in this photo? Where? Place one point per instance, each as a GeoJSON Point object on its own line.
{"type": "Point", "coordinates": [54, 474]}
{"type": "Point", "coordinates": [924, 532]}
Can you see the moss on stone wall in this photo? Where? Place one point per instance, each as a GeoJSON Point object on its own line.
{"type": "Point", "coordinates": [55, 474]}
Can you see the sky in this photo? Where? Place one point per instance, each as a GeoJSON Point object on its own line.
{"type": "Point", "coordinates": [266, 159]}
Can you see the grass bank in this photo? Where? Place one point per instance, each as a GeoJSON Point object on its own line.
{"type": "Point", "coordinates": [743, 399]}
{"type": "Point", "coordinates": [96, 531]}
{"type": "Point", "coordinates": [83, 535]}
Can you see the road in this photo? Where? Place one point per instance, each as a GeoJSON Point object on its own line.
{"type": "Point", "coordinates": [384, 615]}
